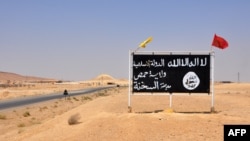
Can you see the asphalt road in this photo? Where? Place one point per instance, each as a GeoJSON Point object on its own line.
{"type": "Point", "coordinates": [17, 102]}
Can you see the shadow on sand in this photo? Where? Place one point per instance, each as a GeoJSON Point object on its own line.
{"type": "Point", "coordinates": [181, 112]}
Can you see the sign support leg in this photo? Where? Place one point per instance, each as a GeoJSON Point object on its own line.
{"type": "Point", "coordinates": [212, 81]}
{"type": "Point", "coordinates": [170, 101]}
{"type": "Point", "coordinates": [129, 85]}
{"type": "Point", "coordinates": [170, 110]}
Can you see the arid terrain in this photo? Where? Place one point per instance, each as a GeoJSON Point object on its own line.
{"type": "Point", "coordinates": [104, 115]}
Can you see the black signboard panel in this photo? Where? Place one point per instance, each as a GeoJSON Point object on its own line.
{"type": "Point", "coordinates": [171, 73]}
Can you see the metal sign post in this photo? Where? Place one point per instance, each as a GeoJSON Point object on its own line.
{"type": "Point", "coordinates": [170, 100]}
{"type": "Point", "coordinates": [130, 78]}
{"type": "Point", "coordinates": [212, 54]}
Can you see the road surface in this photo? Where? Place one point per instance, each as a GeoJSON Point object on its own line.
{"type": "Point", "coordinates": [17, 102]}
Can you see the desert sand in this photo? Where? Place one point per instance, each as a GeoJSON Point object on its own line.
{"type": "Point", "coordinates": [104, 116]}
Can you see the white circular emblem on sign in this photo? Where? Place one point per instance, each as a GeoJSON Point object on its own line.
{"type": "Point", "coordinates": [191, 81]}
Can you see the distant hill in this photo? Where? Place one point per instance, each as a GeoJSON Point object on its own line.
{"type": "Point", "coordinates": [8, 76]}
{"type": "Point", "coordinates": [104, 77]}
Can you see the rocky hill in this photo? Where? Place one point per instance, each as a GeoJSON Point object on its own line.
{"type": "Point", "coordinates": [8, 76]}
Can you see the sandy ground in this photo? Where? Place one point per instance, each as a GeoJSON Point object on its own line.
{"type": "Point", "coordinates": [104, 116]}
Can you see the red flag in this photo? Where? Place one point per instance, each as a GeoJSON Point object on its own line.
{"type": "Point", "coordinates": [219, 42]}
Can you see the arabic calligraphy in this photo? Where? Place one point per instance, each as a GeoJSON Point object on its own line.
{"type": "Point", "coordinates": [149, 63]}
{"type": "Point", "coordinates": [156, 77]}
{"type": "Point", "coordinates": [196, 62]}
{"type": "Point", "coordinates": [160, 74]}
{"type": "Point", "coordinates": [157, 85]}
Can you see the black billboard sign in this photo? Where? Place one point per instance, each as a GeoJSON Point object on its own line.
{"type": "Point", "coordinates": [171, 73]}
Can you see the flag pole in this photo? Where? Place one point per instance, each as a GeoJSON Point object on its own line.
{"type": "Point", "coordinates": [222, 44]}
{"type": "Point", "coordinates": [131, 55]}
{"type": "Point", "coordinates": [212, 54]}
{"type": "Point", "coordinates": [137, 49]}
{"type": "Point", "coordinates": [211, 49]}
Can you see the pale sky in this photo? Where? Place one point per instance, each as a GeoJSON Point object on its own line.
{"type": "Point", "coordinates": [80, 39]}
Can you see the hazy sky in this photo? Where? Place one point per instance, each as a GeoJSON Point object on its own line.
{"type": "Point", "coordinates": [80, 39]}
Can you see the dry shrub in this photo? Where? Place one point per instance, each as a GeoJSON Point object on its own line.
{"type": "Point", "coordinates": [3, 117]}
{"type": "Point", "coordinates": [75, 99]}
{"type": "Point", "coordinates": [21, 125]}
{"type": "Point", "coordinates": [86, 98]}
{"type": "Point", "coordinates": [26, 114]}
{"type": "Point", "coordinates": [74, 119]}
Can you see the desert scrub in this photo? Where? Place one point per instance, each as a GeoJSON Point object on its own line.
{"type": "Point", "coordinates": [75, 99]}
{"type": "Point", "coordinates": [86, 98]}
{"type": "Point", "coordinates": [3, 117]}
{"type": "Point", "coordinates": [74, 119]}
{"type": "Point", "coordinates": [21, 125]}
{"type": "Point", "coordinates": [101, 94]}
{"type": "Point", "coordinates": [26, 114]}
{"type": "Point", "coordinates": [43, 108]}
